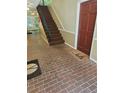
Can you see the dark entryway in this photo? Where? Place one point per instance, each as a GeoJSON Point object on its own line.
{"type": "Point", "coordinates": [88, 11]}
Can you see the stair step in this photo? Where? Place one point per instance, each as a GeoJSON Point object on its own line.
{"type": "Point", "coordinates": [51, 22]}
{"type": "Point", "coordinates": [55, 39]}
{"type": "Point", "coordinates": [51, 26]}
{"type": "Point", "coordinates": [52, 32]}
{"type": "Point", "coordinates": [47, 16]}
{"type": "Point", "coordinates": [57, 42]}
{"type": "Point", "coordinates": [51, 29]}
{"type": "Point", "coordinates": [55, 31]}
{"type": "Point", "coordinates": [54, 36]}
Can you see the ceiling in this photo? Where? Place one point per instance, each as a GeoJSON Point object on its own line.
{"type": "Point", "coordinates": [32, 4]}
{"type": "Point", "coordinates": [31, 7]}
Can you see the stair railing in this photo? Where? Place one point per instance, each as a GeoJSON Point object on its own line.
{"type": "Point", "coordinates": [43, 19]}
{"type": "Point", "coordinates": [46, 27]}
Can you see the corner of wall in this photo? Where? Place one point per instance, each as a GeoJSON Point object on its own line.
{"type": "Point", "coordinates": [68, 36]}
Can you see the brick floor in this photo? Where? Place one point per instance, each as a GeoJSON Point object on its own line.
{"type": "Point", "coordinates": [61, 71]}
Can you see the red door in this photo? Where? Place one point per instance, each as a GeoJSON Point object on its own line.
{"type": "Point", "coordinates": [88, 11]}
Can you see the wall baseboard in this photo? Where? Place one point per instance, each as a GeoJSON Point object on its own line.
{"type": "Point", "coordinates": [76, 49]}
{"type": "Point", "coordinates": [57, 16]}
{"type": "Point", "coordinates": [43, 38]}
{"type": "Point", "coordinates": [64, 30]}
{"type": "Point", "coordinates": [69, 45]}
{"type": "Point", "coordinates": [93, 60]}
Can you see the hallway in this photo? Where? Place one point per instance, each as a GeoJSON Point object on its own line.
{"type": "Point", "coordinates": [62, 70]}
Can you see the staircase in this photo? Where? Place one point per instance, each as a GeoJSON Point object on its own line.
{"type": "Point", "coordinates": [53, 34]}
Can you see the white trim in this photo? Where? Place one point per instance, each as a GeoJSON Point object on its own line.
{"type": "Point", "coordinates": [93, 60]}
{"type": "Point", "coordinates": [42, 31]}
{"type": "Point", "coordinates": [44, 39]}
{"type": "Point", "coordinates": [64, 30]}
{"type": "Point", "coordinates": [77, 21]}
{"type": "Point", "coordinates": [93, 40]}
{"type": "Point", "coordinates": [69, 45]}
{"type": "Point", "coordinates": [81, 1]}
{"type": "Point", "coordinates": [57, 16]}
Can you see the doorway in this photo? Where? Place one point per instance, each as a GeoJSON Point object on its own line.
{"type": "Point", "coordinates": [87, 18]}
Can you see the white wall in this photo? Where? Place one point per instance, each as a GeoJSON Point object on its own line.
{"type": "Point", "coordinates": [68, 13]}
{"type": "Point", "coordinates": [66, 16]}
{"type": "Point", "coordinates": [66, 10]}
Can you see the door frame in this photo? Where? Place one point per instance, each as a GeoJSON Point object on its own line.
{"type": "Point", "coordinates": [77, 22]}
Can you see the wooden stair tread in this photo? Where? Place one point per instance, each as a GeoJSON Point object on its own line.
{"type": "Point", "coordinates": [53, 34]}
{"type": "Point", "coordinates": [56, 42]}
